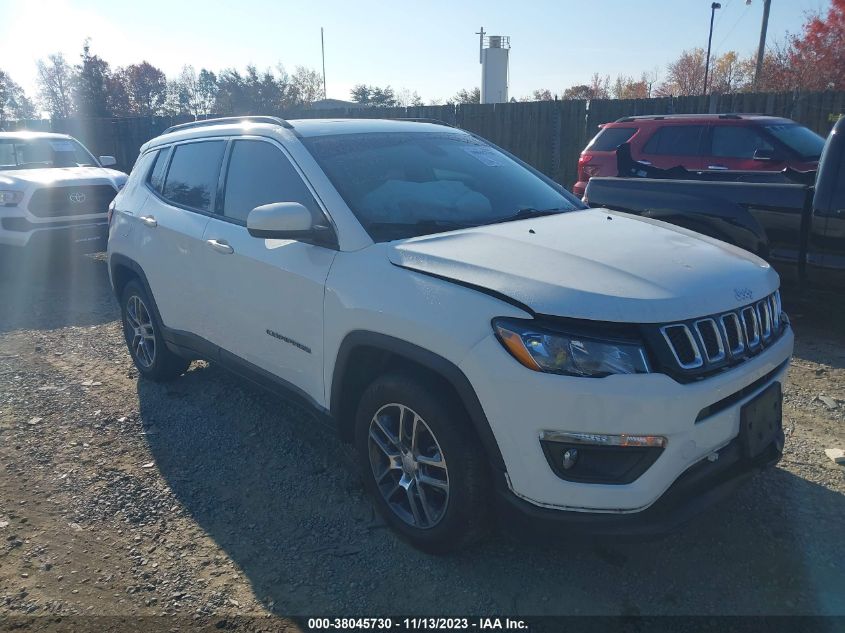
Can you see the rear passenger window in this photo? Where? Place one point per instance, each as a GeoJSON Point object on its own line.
{"type": "Point", "coordinates": [610, 138]}
{"type": "Point", "coordinates": [193, 173]}
{"type": "Point", "coordinates": [259, 173]}
{"type": "Point", "coordinates": [156, 176]}
{"type": "Point", "coordinates": [734, 141]}
{"type": "Point", "coordinates": [676, 140]}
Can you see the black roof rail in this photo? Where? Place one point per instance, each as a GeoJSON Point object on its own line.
{"type": "Point", "coordinates": [424, 120]}
{"type": "Point", "coordinates": [273, 120]}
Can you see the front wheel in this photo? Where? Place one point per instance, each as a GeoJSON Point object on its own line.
{"type": "Point", "coordinates": [421, 463]}
{"type": "Point", "coordinates": [144, 339]}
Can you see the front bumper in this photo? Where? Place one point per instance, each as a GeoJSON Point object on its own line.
{"type": "Point", "coordinates": [698, 488]}
{"type": "Point", "coordinates": [86, 236]}
{"type": "Point", "coordinates": [520, 404]}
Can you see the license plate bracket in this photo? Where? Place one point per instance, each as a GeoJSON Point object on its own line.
{"type": "Point", "coordinates": [761, 420]}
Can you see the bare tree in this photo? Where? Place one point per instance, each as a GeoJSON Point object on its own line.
{"type": "Point", "coordinates": [685, 75]}
{"type": "Point", "coordinates": [307, 85]}
{"type": "Point", "coordinates": [55, 85]}
{"type": "Point", "coordinates": [408, 98]}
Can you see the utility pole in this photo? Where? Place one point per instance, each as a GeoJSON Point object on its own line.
{"type": "Point", "coordinates": [323, 47]}
{"type": "Point", "coordinates": [713, 8]}
{"type": "Point", "coordinates": [761, 49]}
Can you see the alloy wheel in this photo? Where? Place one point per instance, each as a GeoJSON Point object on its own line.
{"type": "Point", "coordinates": [408, 466]}
{"type": "Point", "coordinates": [140, 333]}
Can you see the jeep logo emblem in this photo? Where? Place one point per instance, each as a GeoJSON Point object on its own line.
{"type": "Point", "coordinates": [77, 197]}
{"type": "Point", "coordinates": [743, 294]}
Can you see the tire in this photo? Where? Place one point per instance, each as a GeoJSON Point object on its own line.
{"type": "Point", "coordinates": [143, 335]}
{"type": "Point", "coordinates": [446, 451]}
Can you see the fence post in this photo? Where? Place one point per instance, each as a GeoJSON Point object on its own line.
{"type": "Point", "coordinates": [556, 127]}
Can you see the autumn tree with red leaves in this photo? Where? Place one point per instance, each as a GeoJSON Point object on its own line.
{"type": "Point", "coordinates": [817, 56]}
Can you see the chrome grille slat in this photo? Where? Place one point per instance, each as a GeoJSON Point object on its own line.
{"type": "Point", "coordinates": [684, 332]}
{"type": "Point", "coordinates": [711, 340]}
{"type": "Point", "coordinates": [731, 320]}
{"type": "Point", "coordinates": [764, 317]}
{"type": "Point", "coordinates": [750, 326]}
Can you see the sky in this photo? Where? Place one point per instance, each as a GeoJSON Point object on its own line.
{"type": "Point", "coordinates": [430, 47]}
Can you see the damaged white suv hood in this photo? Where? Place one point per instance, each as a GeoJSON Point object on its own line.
{"type": "Point", "coordinates": [595, 264]}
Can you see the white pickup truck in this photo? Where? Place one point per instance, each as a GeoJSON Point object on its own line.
{"type": "Point", "coordinates": [479, 335]}
{"type": "Point", "coordinates": [53, 192]}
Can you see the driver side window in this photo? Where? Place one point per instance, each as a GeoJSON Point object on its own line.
{"type": "Point", "coordinates": [259, 173]}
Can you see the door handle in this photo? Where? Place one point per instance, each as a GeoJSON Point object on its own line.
{"type": "Point", "coordinates": [221, 246]}
{"type": "Point", "coordinates": [716, 167]}
{"type": "Point", "coordinates": [149, 220]}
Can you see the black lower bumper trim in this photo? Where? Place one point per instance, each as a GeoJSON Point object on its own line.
{"type": "Point", "coordinates": [89, 237]}
{"type": "Point", "coordinates": [702, 485]}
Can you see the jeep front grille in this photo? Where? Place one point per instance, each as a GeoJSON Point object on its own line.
{"type": "Point", "coordinates": [695, 348]}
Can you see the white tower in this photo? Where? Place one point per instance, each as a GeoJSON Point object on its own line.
{"type": "Point", "coordinates": [494, 50]}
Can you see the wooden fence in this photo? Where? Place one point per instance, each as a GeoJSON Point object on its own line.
{"type": "Point", "coordinates": [547, 134]}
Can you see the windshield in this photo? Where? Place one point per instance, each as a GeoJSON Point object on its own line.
{"type": "Point", "coordinates": [38, 153]}
{"type": "Point", "coordinates": [803, 141]}
{"type": "Point", "coordinates": [401, 184]}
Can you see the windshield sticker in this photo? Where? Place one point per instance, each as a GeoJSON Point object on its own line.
{"type": "Point", "coordinates": [63, 146]}
{"type": "Point", "coordinates": [486, 155]}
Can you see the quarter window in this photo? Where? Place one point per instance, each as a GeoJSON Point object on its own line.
{"type": "Point", "coordinates": [610, 138]}
{"type": "Point", "coordinates": [676, 140]}
{"type": "Point", "coordinates": [193, 173]}
{"type": "Point", "coordinates": [156, 175]}
{"type": "Point", "coordinates": [140, 171]}
{"type": "Point", "coordinates": [260, 174]}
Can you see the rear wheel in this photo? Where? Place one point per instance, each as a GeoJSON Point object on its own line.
{"type": "Point", "coordinates": [422, 464]}
{"type": "Point", "coordinates": [144, 339]}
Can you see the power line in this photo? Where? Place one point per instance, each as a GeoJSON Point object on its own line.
{"type": "Point", "coordinates": [731, 30]}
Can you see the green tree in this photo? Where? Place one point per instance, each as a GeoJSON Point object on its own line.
{"type": "Point", "coordinates": [146, 88]}
{"type": "Point", "coordinates": [467, 96]}
{"type": "Point", "coordinates": [14, 104]}
{"type": "Point", "coordinates": [92, 85]}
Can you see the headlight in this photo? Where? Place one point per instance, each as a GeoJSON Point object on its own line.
{"type": "Point", "coordinates": [554, 352]}
{"type": "Point", "coordinates": [10, 198]}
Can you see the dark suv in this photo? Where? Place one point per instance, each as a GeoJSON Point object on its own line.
{"type": "Point", "coordinates": [702, 142]}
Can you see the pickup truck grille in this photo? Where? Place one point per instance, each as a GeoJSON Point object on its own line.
{"type": "Point", "coordinates": [699, 347]}
{"type": "Point", "coordinates": [53, 202]}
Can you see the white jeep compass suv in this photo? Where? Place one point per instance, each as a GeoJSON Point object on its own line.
{"type": "Point", "coordinates": [481, 338]}
{"type": "Point", "coordinates": [53, 192]}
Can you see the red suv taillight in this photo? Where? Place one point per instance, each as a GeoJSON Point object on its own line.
{"type": "Point", "coordinates": [585, 171]}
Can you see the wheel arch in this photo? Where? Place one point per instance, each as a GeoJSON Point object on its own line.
{"type": "Point", "coordinates": [364, 355]}
{"type": "Point", "coordinates": [123, 270]}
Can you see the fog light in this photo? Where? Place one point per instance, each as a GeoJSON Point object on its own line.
{"type": "Point", "coordinates": [598, 458]}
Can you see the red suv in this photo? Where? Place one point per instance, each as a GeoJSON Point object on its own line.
{"type": "Point", "coordinates": [746, 142]}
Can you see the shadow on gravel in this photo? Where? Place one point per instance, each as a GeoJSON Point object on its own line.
{"type": "Point", "coordinates": [819, 325]}
{"type": "Point", "coordinates": [47, 290]}
{"type": "Point", "coordinates": [273, 489]}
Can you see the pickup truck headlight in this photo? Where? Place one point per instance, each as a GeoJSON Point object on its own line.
{"type": "Point", "coordinates": [10, 198]}
{"type": "Point", "coordinates": [555, 352]}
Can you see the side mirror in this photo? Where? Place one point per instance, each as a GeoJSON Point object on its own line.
{"type": "Point", "coordinates": [108, 161]}
{"type": "Point", "coordinates": [767, 154]}
{"type": "Point", "coordinates": [280, 221]}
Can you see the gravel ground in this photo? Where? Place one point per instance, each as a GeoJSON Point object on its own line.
{"type": "Point", "coordinates": [208, 499]}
